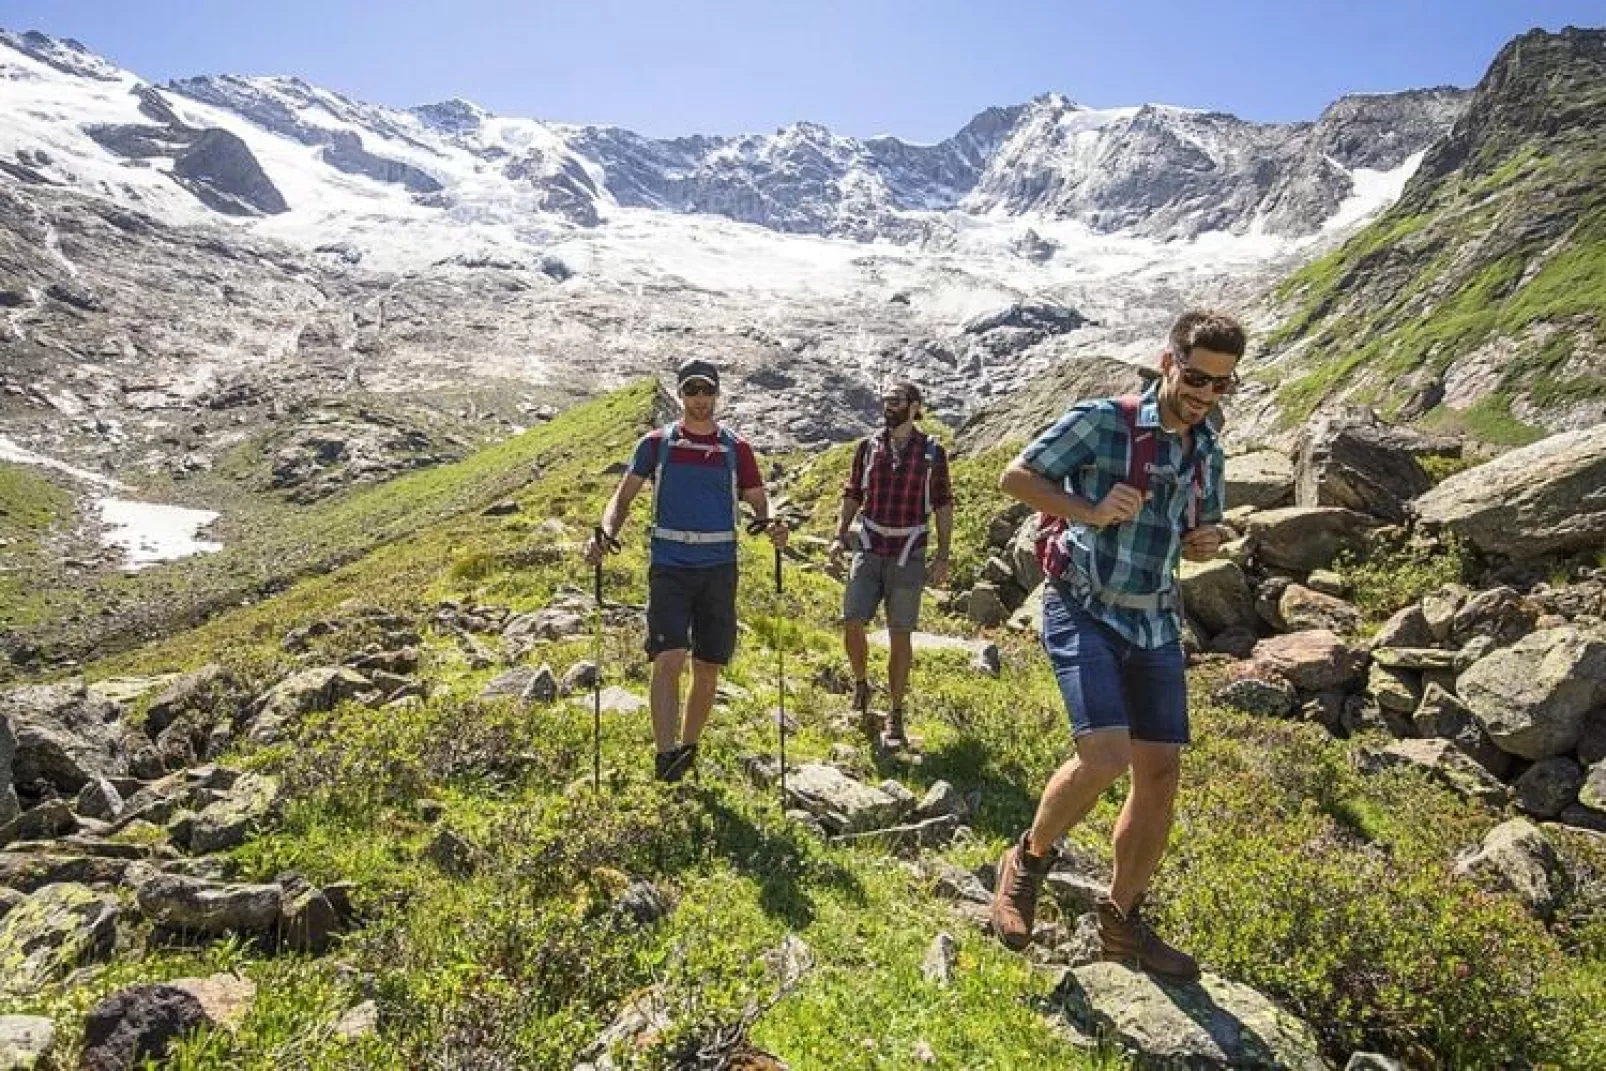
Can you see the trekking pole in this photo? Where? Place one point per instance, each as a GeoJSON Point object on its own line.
{"type": "Point", "coordinates": [756, 528]}
{"type": "Point", "coordinates": [607, 543]}
{"type": "Point", "coordinates": [780, 669]}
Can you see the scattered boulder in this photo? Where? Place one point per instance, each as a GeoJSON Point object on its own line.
{"type": "Point", "coordinates": [1303, 609]}
{"type": "Point", "coordinates": [1532, 697]}
{"type": "Point", "coordinates": [1446, 762]}
{"type": "Point", "coordinates": [1533, 502]}
{"type": "Point", "coordinates": [196, 907]}
{"type": "Point", "coordinates": [1407, 628]}
{"type": "Point", "coordinates": [1354, 461]}
{"type": "Point", "coordinates": [941, 958]}
{"type": "Point", "coordinates": [1258, 689]}
{"type": "Point", "coordinates": [309, 691]}
{"type": "Point", "coordinates": [1217, 594]}
{"type": "Point", "coordinates": [1312, 661]}
{"type": "Point", "coordinates": [1547, 787]}
{"type": "Point", "coordinates": [136, 1025]}
{"type": "Point", "coordinates": [1215, 1023]}
{"type": "Point", "coordinates": [1300, 539]}
{"type": "Point", "coordinates": [27, 1043]}
{"type": "Point", "coordinates": [1263, 479]}
{"type": "Point", "coordinates": [54, 930]}
{"type": "Point", "coordinates": [1500, 614]}
{"type": "Point", "coordinates": [64, 735]}
{"type": "Point", "coordinates": [1441, 714]}
{"type": "Point", "coordinates": [1517, 856]}
{"type": "Point", "coordinates": [841, 804]}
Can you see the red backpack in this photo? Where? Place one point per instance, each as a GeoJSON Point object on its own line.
{"type": "Point", "coordinates": [1140, 450]}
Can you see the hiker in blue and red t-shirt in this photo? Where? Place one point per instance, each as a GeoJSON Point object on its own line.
{"type": "Point", "coordinates": [699, 471]}
{"type": "Point", "coordinates": [1126, 487]}
{"type": "Point", "coordinates": [898, 489]}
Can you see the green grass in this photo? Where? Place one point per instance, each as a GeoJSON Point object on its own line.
{"type": "Point", "coordinates": [1434, 279]}
{"type": "Point", "coordinates": [31, 507]}
{"type": "Point", "coordinates": [1289, 871]}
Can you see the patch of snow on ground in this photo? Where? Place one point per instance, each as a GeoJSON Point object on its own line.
{"type": "Point", "coordinates": [150, 533]}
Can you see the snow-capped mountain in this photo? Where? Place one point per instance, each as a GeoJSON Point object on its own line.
{"type": "Point", "coordinates": [285, 146]}
{"type": "Point", "coordinates": [254, 247]}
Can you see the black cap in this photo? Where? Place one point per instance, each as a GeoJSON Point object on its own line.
{"type": "Point", "coordinates": [697, 368]}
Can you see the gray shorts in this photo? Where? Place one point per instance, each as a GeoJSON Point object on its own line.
{"type": "Point", "coordinates": [874, 577]}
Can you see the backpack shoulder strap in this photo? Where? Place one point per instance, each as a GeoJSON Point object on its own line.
{"type": "Point", "coordinates": [728, 442]}
{"type": "Point", "coordinates": [1140, 442]}
{"type": "Point", "coordinates": [872, 445]}
{"type": "Point", "coordinates": [932, 449]}
{"type": "Point", "coordinates": [666, 443]}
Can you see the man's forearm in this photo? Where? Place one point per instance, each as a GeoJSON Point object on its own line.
{"type": "Point", "coordinates": [945, 529]}
{"type": "Point", "coordinates": [844, 519]}
{"type": "Point", "coordinates": [1026, 486]}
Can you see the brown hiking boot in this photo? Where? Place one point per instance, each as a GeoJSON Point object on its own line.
{"type": "Point", "coordinates": [1020, 877]}
{"type": "Point", "coordinates": [861, 706]}
{"type": "Point", "coordinates": [1128, 938]}
{"type": "Point", "coordinates": [896, 736]}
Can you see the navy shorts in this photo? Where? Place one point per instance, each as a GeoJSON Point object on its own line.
{"type": "Point", "coordinates": [692, 609]}
{"type": "Point", "coordinates": [1109, 682]}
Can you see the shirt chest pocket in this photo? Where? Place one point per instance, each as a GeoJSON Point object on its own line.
{"type": "Point", "coordinates": [1096, 479]}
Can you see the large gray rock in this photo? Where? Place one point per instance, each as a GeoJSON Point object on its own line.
{"type": "Point", "coordinates": [1533, 502]}
{"type": "Point", "coordinates": [54, 930]}
{"type": "Point", "coordinates": [1312, 661]}
{"type": "Point", "coordinates": [841, 804]}
{"type": "Point", "coordinates": [1532, 697]}
{"type": "Point", "coordinates": [1263, 479]}
{"type": "Point", "coordinates": [64, 735]}
{"type": "Point", "coordinates": [194, 906]}
{"type": "Point", "coordinates": [1218, 595]}
{"type": "Point", "coordinates": [1517, 856]}
{"type": "Point", "coordinates": [1215, 1023]}
{"type": "Point", "coordinates": [227, 822]}
{"type": "Point", "coordinates": [26, 1042]}
{"type": "Point", "coordinates": [1303, 609]}
{"type": "Point", "coordinates": [1359, 464]}
{"type": "Point", "coordinates": [1442, 715]}
{"type": "Point", "coordinates": [309, 691]}
{"type": "Point", "coordinates": [1300, 539]}
{"type": "Point", "coordinates": [1549, 786]}
{"type": "Point", "coordinates": [206, 694]}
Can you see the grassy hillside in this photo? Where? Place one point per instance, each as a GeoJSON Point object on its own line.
{"type": "Point", "coordinates": [1290, 871]}
{"type": "Point", "coordinates": [1492, 265]}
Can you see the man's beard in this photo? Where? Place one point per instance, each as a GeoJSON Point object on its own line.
{"type": "Point", "coordinates": [895, 417]}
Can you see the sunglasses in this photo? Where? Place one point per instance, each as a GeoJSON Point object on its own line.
{"type": "Point", "coordinates": [693, 387]}
{"type": "Point", "coordinates": [1196, 379]}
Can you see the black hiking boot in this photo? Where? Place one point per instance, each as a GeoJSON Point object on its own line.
{"type": "Point", "coordinates": [682, 760]}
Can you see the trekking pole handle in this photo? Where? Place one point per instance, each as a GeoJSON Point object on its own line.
{"type": "Point", "coordinates": [604, 539]}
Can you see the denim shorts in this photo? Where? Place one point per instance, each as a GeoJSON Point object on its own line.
{"type": "Point", "coordinates": [1108, 682]}
{"type": "Point", "coordinates": [877, 578]}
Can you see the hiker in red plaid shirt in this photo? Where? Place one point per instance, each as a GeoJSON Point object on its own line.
{"type": "Point", "coordinates": [898, 485]}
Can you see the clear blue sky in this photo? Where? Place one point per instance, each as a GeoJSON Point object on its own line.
{"type": "Point", "coordinates": [919, 70]}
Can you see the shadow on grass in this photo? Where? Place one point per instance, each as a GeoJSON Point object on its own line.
{"type": "Point", "coordinates": [777, 859]}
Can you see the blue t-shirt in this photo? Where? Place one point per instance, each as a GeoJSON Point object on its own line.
{"type": "Point", "coordinates": [696, 494]}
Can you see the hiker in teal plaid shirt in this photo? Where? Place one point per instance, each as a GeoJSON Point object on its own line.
{"type": "Point", "coordinates": [1087, 450]}
{"type": "Point", "coordinates": [1138, 484]}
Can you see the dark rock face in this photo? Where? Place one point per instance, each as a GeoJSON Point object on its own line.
{"type": "Point", "coordinates": [346, 153]}
{"type": "Point", "coordinates": [137, 1024]}
{"type": "Point", "coordinates": [221, 171]}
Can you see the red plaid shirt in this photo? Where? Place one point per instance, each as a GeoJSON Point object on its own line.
{"type": "Point", "coordinates": [897, 490]}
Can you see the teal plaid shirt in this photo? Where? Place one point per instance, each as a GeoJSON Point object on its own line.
{"type": "Point", "coordinates": [1086, 451]}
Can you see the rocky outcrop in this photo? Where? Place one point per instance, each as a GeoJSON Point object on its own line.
{"type": "Point", "coordinates": [1536, 501]}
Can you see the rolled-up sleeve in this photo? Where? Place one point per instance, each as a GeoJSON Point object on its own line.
{"type": "Point", "coordinates": [1069, 443]}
